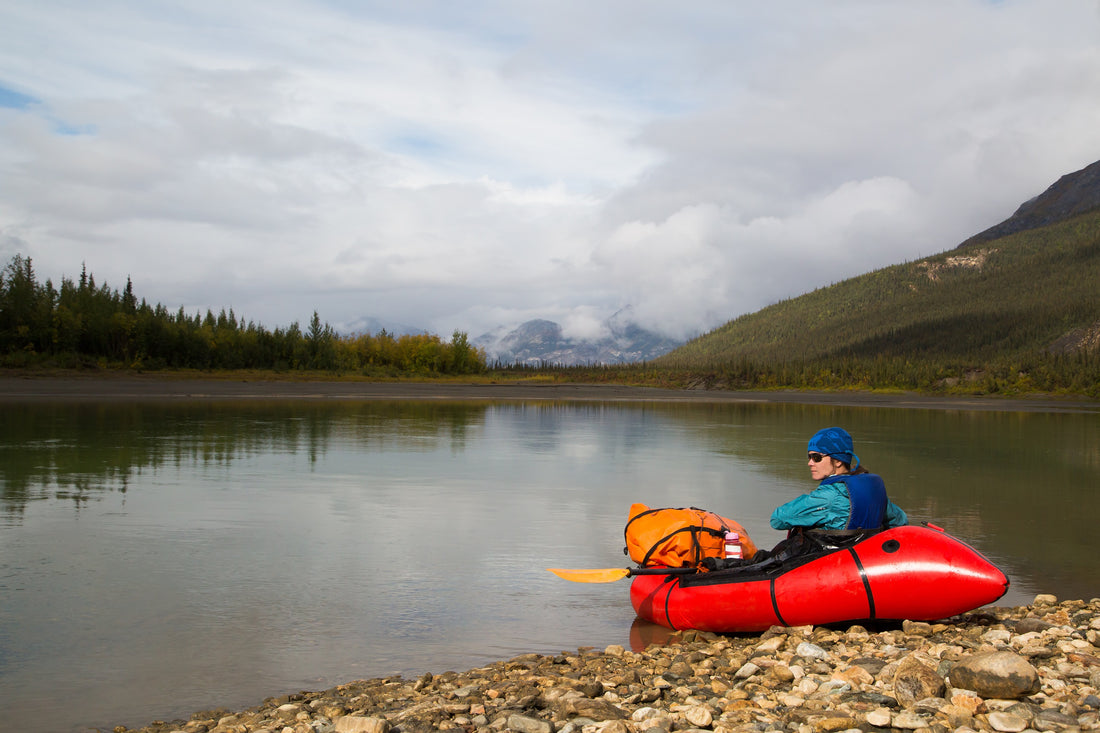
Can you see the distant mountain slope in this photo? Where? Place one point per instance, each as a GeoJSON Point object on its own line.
{"type": "Point", "coordinates": [540, 342]}
{"type": "Point", "coordinates": [1008, 297]}
{"type": "Point", "coordinates": [1071, 195]}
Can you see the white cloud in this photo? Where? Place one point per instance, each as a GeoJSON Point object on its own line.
{"type": "Point", "coordinates": [585, 323]}
{"type": "Point", "coordinates": [512, 160]}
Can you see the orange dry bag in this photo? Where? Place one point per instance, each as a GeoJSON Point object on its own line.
{"type": "Point", "coordinates": [679, 538]}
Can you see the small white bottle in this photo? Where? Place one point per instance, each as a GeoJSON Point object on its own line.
{"type": "Point", "coordinates": [733, 546]}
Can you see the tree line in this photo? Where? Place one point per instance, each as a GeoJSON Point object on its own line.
{"type": "Point", "coordinates": [81, 324]}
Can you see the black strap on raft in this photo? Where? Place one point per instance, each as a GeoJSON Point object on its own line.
{"type": "Point", "coordinates": [775, 603]}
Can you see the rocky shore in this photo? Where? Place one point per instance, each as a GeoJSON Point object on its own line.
{"type": "Point", "coordinates": [1031, 668]}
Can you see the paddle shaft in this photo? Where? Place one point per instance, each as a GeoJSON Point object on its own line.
{"type": "Point", "coordinates": [631, 572]}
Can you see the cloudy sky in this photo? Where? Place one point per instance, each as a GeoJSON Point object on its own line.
{"type": "Point", "coordinates": [470, 165]}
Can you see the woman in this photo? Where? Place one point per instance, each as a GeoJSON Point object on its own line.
{"type": "Point", "coordinates": [848, 497]}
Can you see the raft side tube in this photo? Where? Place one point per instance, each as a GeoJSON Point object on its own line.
{"type": "Point", "coordinates": [829, 589]}
{"type": "Point", "coordinates": [666, 601]}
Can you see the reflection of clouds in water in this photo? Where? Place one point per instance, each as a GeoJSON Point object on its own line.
{"type": "Point", "coordinates": [576, 447]}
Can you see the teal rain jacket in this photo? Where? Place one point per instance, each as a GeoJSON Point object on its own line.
{"type": "Point", "coordinates": [846, 501]}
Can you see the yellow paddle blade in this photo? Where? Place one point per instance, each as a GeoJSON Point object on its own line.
{"type": "Point", "coordinates": [598, 575]}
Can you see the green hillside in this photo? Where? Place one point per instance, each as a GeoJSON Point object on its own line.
{"type": "Point", "coordinates": [1019, 312]}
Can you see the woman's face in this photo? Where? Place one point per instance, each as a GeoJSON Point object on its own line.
{"type": "Point", "coordinates": [822, 466]}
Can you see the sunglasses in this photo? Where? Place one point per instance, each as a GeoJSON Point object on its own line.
{"type": "Point", "coordinates": [817, 457]}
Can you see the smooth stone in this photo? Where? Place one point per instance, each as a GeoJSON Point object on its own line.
{"type": "Point", "coordinates": [1001, 674]}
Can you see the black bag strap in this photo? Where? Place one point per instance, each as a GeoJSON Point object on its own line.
{"type": "Point", "coordinates": [696, 547]}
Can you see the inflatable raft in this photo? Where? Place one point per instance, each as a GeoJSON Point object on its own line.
{"type": "Point", "coordinates": [919, 573]}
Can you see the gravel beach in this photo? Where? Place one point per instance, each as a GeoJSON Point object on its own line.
{"type": "Point", "coordinates": [1010, 670]}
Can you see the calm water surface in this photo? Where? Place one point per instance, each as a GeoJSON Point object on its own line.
{"type": "Point", "coordinates": [159, 559]}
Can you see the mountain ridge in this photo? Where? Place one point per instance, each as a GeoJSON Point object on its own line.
{"type": "Point", "coordinates": [1071, 195]}
{"type": "Point", "coordinates": [539, 342]}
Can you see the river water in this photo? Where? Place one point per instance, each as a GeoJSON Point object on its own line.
{"type": "Point", "coordinates": [157, 559]}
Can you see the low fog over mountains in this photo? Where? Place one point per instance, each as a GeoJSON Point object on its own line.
{"type": "Point", "coordinates": [542, 342]}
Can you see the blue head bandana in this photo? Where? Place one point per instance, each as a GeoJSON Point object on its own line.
{"type": "Point", "coordinates": [834, 442]}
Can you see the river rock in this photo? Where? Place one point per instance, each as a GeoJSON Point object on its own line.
{"type": "Point", "coordinates": [647, 714]}
{"type": "Point", "coordinates": [910, 720]}
{"type": "Point", "coordinates": [968, 700]}
{"type": "Point", "coordinates": [524, 724]}
{"type": "Point", "coordinates": [588, 708]}
{"type": "Point", "coordinates": [1000, 674]}
{"type": "Point", "coordinates": [356, 724]}
{"type": "Point", "coordinates": [1053, 720]}
{"type": "Point", "coordinates": [879, 717]}
{"type": "Point", "coordinates": [699, 716]}
{"type": "Point", "coordinates": [914, 680]}
{"type": "Point", "coordinates": [811, 651]}
{"type": "Point", "coordinates": [1007, 722]}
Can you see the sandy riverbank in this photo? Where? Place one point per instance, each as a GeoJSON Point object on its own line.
{"type": "Point", "coordinates": [112, 387]}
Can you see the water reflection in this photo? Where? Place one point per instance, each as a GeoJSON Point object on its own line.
{"type": "Point", "coordinates": [73, 452]}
